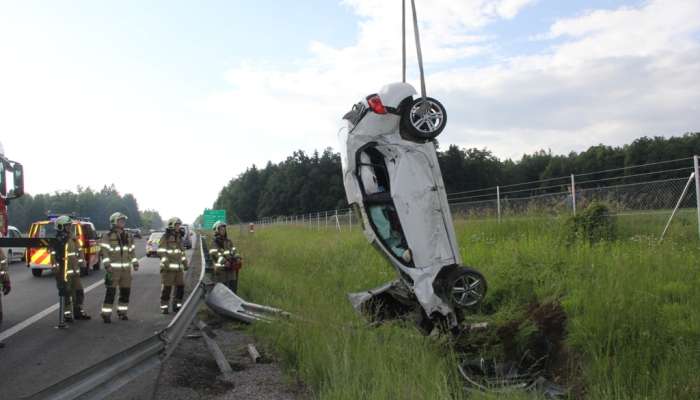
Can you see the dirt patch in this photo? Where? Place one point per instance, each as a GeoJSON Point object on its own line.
{"type": "Point", "coordinates": [200, 372]}
{"type": "Point", "coordinates": [531, 345]}
{"type": "Point", "coordinates": [191, 372]}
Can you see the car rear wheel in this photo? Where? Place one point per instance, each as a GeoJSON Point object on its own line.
{"type": "Point", "coordinates": [36, 272]}
{"type": "Point", "coordinates": [423, 119]}
{"type": "Point", "coordinates": [467, 288]}
{"type": "Point", "coordinates": [96, 267]}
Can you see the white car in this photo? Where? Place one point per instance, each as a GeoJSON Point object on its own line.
{"type": "Point", "coordinates": [152, 244]}
{"type": "Point", "coordinates": [392, 178]}
{"type": "Point", "coordinates": [14, 254]}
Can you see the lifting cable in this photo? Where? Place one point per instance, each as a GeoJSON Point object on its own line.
{"type": "Point", "coordinates": [418, 47]}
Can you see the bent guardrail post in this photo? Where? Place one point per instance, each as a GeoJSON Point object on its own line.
{"type": "Point", "coordinates": [107, 376]}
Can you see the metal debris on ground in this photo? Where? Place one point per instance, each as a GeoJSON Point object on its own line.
{"type": "Point", "coordinates": [226, 303]}
{"type": "Point", "coordinates": [253, 352]}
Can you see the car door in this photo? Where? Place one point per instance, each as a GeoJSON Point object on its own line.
{"type": "Point", "coordinates": [416, 193]}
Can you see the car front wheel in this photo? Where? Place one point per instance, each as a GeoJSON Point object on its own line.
{"type": "Point", "coordinates": [423, 119]}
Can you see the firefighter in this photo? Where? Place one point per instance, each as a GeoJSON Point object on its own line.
{"type": "Point", "coordinates": [68, 258]}
{"type": "Point", "coordinates": [4, 282]}
{"type": "Point", "coordinates": [227, 262]}
{"type": "Point", "coordinates": [173, 264]}
{"type": "Point", "coordinates": [118, 257]}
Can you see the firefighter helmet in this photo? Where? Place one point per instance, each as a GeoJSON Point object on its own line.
{"type": "Point", "coordinates": [217, 224]}
{"type": "Point", "coordinates": [116, 217]}
{"type": "Point", "coordinates": [174, 221]}
{"type": "Point", "coordinates": [59, 222]}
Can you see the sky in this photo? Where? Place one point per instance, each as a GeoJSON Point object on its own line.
{"type": "Point", "coordinates": [169, 100]}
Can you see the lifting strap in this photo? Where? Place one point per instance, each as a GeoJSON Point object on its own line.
{"type": "Point", "coordinates": [418, 46]}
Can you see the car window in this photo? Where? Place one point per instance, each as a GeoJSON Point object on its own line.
{"type": "Point", "coordinates": [372, 171]}
{"type": "Point", "coordinates": [46, 230]}
{"type": "Point", "coordinates": [388, 228]}
{"type": "Point", "coordinates": [89, 231]}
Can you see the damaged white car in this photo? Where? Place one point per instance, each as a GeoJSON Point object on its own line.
{"type": "Point", "coordinates": [393, 180]}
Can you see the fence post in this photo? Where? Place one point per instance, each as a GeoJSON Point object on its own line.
{"type": "Point", "coordinates": [326, 220]}
{"type": "Point", "coordinates": [498, 202]}
{"type": "Point", "coordinates": [573, 193]}
{"type": "Point", "coordinates": [350, 218]}
{"type": "Point", "coordinates": [697, 189]}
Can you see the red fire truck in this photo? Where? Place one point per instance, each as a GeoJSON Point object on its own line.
{"type": "Point", "coordinates": [17, 189]}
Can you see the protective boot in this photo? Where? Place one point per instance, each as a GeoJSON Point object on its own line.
{"type": "Point", "coordinates": [123, 306]}
{"type": "Point", "coordinates": [179, 295]}
{"type": "Point", "coordinates": [78, 311]}
{"type": "Point", "coordinates": [165, 299]}
{"type": "Point", "coordinates": [108, 304]}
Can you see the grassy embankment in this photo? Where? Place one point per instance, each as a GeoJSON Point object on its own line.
{"type": "Point", "coordinates": [632, 306]}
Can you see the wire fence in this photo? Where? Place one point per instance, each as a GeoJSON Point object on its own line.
{"type": "Point", "coordinates": [653, 188]}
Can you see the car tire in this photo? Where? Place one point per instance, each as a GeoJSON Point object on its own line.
{"type": "Point", "coordinates": [85, 271]}
{"type": "Point", "coordinates": [467, 288]}
{"type": "Point", "coordinates": [37, 272]}
{"type": "Point", "coordinates": [9, 257]}
{"type": "Point", "coordinates": [416, 125]}
{"type": "Point", "coordinates": [96, 267]}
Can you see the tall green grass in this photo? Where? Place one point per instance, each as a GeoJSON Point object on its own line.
{"type": "Point", "coordinates": [633, 304]}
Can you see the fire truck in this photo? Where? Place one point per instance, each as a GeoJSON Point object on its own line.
{"type": "Point", "coordinates": [16, 190]}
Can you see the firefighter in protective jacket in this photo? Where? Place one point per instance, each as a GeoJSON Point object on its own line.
{"type": "Point", "coordinates": [118, 257]}
{"type": "Point", "coordinates": [68, 259]}
{"type": "Point", "coordinates": [227, 262]}
{"type": "Point", "coordinates": [173, 264]}
{"type": "Point", "coordinates": [4, 282]}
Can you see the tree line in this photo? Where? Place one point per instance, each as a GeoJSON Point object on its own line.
{"type": "Point", "coordinates": [305, 183]}
{"type": "Point", "coordinates": [84, 202]}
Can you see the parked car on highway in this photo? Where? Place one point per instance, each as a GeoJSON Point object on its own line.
{"type": "Point", "coordinates": [152, 244]}
{"type": "Point", "coordinates": [392, 178]}
{"type": "Point", "coordinates": [187, 237]}
{"type": "Point", "coordinates": [14, 253]}
{"type": "Point", "coordinates": [39, 259]}
{"type": "Point", "coordinates": [136, 232]}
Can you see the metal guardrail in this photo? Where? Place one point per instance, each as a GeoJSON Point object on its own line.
{"type": "Point", "coordinates": [107, 376]}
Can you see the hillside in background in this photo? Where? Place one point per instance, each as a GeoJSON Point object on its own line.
{"type": "Point", "coordinates": [304, 183]}
{"type": "Point", "coordinates": [84, 202]}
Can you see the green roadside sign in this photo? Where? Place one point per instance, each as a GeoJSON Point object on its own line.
{"type": "Point", "coordinates": [211, 216]}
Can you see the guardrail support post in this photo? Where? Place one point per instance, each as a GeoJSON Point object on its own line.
{"type": "Point", "coordinates": [697, 188]}
{"type": "Point", "coordinates": [573, 194]}
{"type": "Point", "coordinates": [498, 202]}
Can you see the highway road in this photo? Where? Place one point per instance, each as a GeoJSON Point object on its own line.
{"type": "Point", "coordinates": [37, 354]}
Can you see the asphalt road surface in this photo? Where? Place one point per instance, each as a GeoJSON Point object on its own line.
{"type": "Point", "coordinates": [36, 354]}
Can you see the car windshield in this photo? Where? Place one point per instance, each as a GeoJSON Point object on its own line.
{"type": "Point", "coordinates": [155, 237]}
{"type": "Point", "coordinates": [45, 230]}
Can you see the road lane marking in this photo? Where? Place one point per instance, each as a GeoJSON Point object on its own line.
{"type": "Point", "coordinates": [38, 316]}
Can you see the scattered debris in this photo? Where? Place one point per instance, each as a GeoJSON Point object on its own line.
{"type": "Point", "coordinates": [253, 352]}
{"type": "Point", "coordinates": [226, 303]}
{"type": "Point", "coordinates": [526, 354]}
{"type": "Point", "coordinates": [221, 362]}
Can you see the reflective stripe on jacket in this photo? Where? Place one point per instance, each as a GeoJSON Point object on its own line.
{"type": "Point", "coordinates": [118, 250]}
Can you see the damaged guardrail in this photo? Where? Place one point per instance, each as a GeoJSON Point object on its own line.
{"type": "Point", "coordinates": [107, 376]}
{"type": "Point", "coordinates": [226, 303]}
